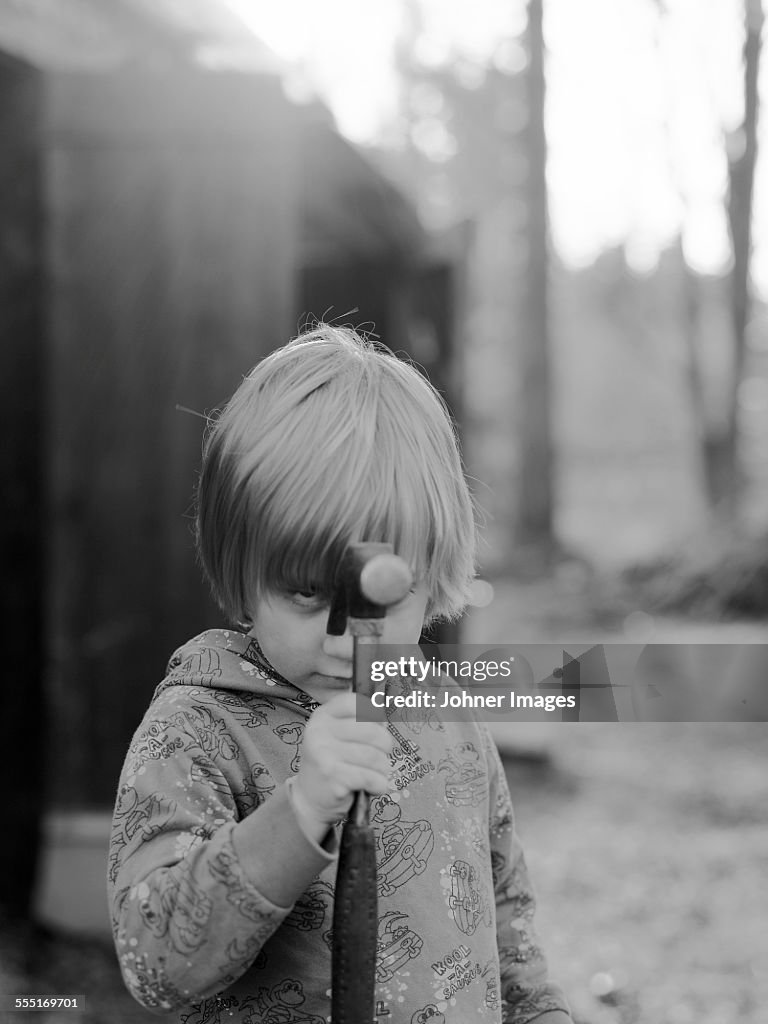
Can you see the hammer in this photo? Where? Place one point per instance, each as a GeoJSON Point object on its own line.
{"type": "Point", "coordinates": [372, 578]}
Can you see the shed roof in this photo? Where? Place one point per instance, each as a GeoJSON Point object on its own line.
{"type": "Point", "coordinates": [102, 34]}
{"type": "Point", "coordinates": [347, 205]}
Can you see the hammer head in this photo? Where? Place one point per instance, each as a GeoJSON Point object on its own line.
{"type": "Point", "coordinates": [372, 578]}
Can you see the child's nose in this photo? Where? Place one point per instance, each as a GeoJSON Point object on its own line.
{"type": "Point", "coordinates": [339, 646]}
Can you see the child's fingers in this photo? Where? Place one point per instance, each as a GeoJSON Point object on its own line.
{"type": "Point", "coordinates": [343, 708]}
{"type": "Point", "coordinates": [355, 777]}
{"type": "Point", "coordinates": [328, 757]}
{"type": "Point", "coordinates": [362, 756]}
{"type": "Point", "coordinates": [325, 782]}
{"type": "Point", "coordinates": [337, 719]}
{"type": "Point", "coordinates": [342, 705]}
{"type": "Point", "coordinates": [373, 734]}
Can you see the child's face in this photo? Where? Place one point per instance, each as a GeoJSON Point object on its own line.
{"type": "Point", "coordinates": [291, 630]}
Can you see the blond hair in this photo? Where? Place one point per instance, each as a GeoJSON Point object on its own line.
{"type": "Point", "coordinates": [329, 440]}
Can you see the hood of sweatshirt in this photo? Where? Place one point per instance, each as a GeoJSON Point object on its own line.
{"type": "Point", "coordinates": [227, 659]}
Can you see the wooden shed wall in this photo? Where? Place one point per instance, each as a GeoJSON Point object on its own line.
{"type": "Point", "coordinates": [170, 260]}
{"type": "Point", "coordinates": [21, 527]}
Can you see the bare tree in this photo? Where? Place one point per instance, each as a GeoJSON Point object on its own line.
{"type": "Point", "coordinates": [719, 434]}
{"type": "Point", "coordinates": [534, 520]}
{"type": "Point", "coordinates": [722, 458]}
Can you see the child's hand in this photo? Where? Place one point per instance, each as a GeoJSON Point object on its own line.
{"type": "Point", "coordinates": [339, 756]}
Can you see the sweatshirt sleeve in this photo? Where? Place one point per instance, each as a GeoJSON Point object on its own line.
{"type": "Point", "coordinates": [527, 994]}
{"type": "Point", "coordinates": [194, 892]}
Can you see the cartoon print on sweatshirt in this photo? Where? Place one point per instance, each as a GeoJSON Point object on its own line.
{"type": "Point", "coordinates": [466, 784]}
{"type": "Point", "coordinates": [404, 846]}
{"type": "Point", "coordinates": [132, 814]}
{"type": "Point", "coordinates": [413, 720]}
{"type": "Point", "coordinates": [253, 789]}
{"type": "Point", "coordinates": [407, 763]}
{"type": "Point", "coordinates": [518, 894]}
{"type": "Point", "coordinates": [521, 948]}
{"type": "Point", "coordinates": [210, 732]}
{"type": "Point", "coordinates": [158, 742]}
{"type": "Point", "coordinates": [428, 1014]}
{"type": "Point", "coordinates": [456, 970]}
{"type": "Point", "coordinates": [313, 909]}
{"type": "Point", "coordinates": [466, 896]}
{"type": "Point", "coordinates": [209, 1011]}
{"type": "Point", "coordinates": [195, 732]}
{"type": "Point", "coordinates": [396, 945]}
{"type": "Point", "coordinates": [203, 664]}
{"type": "Point", "coordinates": [176, 906]}
{"type": "Point", "coordinates": [282, 1004]}
{"type": "Point", "coordinates": [241, 954]}
{"type": "Point", "coordinates": [203, 770]}
{"type": "Point", "coordinates": [291, 734]}
{"type": "Point", "coordinates": [226, 869]}
{"type": "Point", "coordinates": [526, 1004]}
{"type": "Point", "coordinates": [490, 976]}
{"type": "Point", "coordinates": [245, 708]}
{"type": "Point", "coordinates": [147, 981]}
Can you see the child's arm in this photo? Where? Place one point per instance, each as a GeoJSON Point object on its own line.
{"type": "Point", "coordinates": [194, 892]}
{"type": "Point", "coordinates": [187, 916]}
{"type": "Point", "coordinates": [527, 994]}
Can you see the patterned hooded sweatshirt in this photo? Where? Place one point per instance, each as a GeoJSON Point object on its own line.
{"type": "Point", "coordinates": [199, 933]}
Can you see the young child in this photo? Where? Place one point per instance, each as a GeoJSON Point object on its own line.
{"type": "Point", "coordinates": [226, 826]}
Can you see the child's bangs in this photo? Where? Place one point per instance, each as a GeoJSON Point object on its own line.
{"type": "Point", "coordinates": [304, 550]}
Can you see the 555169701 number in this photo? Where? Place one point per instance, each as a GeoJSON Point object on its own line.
{"type": "Point", "coordinates": [41, 1002]}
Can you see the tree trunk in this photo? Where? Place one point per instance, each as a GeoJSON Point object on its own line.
{"type": "Point", "coordinates": [722, 452]}
{"type": "Point", "coordinates": [534, 518]}
{"type": "Point", "coordinates": [715, 452]}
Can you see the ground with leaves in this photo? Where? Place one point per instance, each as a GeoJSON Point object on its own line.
{"type": "Point", "coordinates": [649, 850]}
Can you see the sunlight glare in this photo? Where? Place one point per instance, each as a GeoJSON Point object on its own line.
{"type": "Point", "coordinates": [638, 97]}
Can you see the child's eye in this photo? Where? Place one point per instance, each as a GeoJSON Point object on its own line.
{"type": "Point", "coordinates": [310, 599]}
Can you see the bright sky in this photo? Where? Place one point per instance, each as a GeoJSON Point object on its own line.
{"type": "Point", "coordinates": [637, 103]}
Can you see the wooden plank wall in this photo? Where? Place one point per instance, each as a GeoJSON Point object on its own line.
{"type": "Point", "coordinates": [21, 525]}
{"type": "Point", "coordinates": [171, 251]}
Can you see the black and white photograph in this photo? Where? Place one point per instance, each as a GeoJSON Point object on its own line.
{"type": "Point", "coordinates": [384, 534]}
